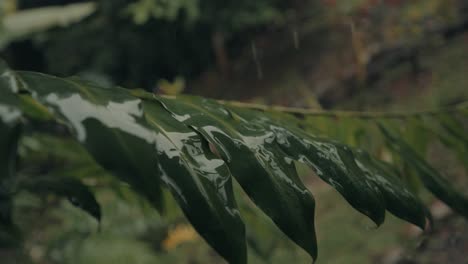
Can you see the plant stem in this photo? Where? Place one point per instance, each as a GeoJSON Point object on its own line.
{"type": "Point", "coordinates": [348, 114]}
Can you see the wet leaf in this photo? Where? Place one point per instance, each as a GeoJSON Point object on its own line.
{"type": "Point", "coordinates": [257, 163]}
{"type": "Point", "coordinates": [398, 199]}
{"type": "Point", "coordinates": [109, 124]}
{"type": "Point", "coordinates": [200, 182]}
{"type": "Point", "coordinates": [192, 146]}
{"type": "Point", "coordinates": [331, 161]}
{"type": "Point", "coordinates": [144, 146]}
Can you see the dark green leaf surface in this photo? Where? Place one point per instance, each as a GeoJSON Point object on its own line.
{"type": "Point", "coordinates": [143, 146]}
{"type": "Point", "coordinates": [398, 199]}
{"type": "Point", "coordinates": [258, 165]}
{"type": "Point", "coordinates": [109, 124]}
{"type": "Point", "coordinates": [200, 182]}
{"type": "Point", "coordinates": [193, 145]}
{"type": "Point", "coordinates": [431, 178]}
{"type": "Point", "coordinates": [331, 161]}
{"type": "Point", "coordinates": [335, 164]}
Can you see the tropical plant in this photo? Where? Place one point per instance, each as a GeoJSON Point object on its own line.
{"type": "Point", "coordinates": [194, 147]}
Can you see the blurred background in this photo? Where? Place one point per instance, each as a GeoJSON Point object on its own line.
{"type": "Point", "coordinates": [349, 54]}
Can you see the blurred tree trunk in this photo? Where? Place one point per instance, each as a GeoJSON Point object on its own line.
{"type": "Point", "coordinates": [220, 52]}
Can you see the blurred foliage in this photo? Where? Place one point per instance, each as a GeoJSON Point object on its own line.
{"type": "Point", "coordinates": [171, 88]}
{"type": "Point", "coordinates": [127, 123]}
{"type": "Point", "coordinates": [189, 37]}
{"type": "Point", "coordinates": [178, 35]}
{"type": "Point", "coordinates": [20, 25]}
{"type": "Point", "coordinates": [144, 10]}
{"type": "Point", "coordinates": [306, 50]}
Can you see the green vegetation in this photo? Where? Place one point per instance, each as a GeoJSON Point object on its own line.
{"type": "Point", "coordinates": [328, 116]}
{"type": "Point", "coordinates": [194, 147]}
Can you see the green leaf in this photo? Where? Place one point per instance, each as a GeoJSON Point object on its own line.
{"type": "Point", "coordinates": [452, 143]}
{"type": "Point", "coordinates": [452, 134]}
{"type": "Point", "coordinates": [10, 131]}
{"type": "Point", "coordinates": [9, 80]}
{"type": "Point", "coordinates": [334, 163]}
{"type": "Point", "coordinates": [9, 136]}
{"type": "Point", "coordinates": [141, 143]}
{"type": "Point", "coordinates": [192, 146]}
{"type": "Point", "coordinates": [398, 199]}
{"type": "Point", "coordinates": [431, 178]}
{"type": "Point", "coordinates": [109, 124]}
{"type": "Point", "coordinates": [75, 191]}
{"type": "Point", "coordinates": [414, 132]}
{"type": "Point", "coordinates": [454, 127]}
{"type": "Point", "coordinates": [257, 163]}
{"type": "Point", "coordinates": [200, 182]}
{"type": "Point", "coordinates": [10, 128]}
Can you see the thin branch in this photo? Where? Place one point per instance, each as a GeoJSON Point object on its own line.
{"type": "Point", "coordinates": [349, 114]}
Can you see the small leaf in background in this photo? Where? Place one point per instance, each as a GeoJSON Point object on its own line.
{"type": "Point", "coordinates": [431, 178]}
{"type": "Point", "coordinates": [178, 235]}
{"type": "Point", "coordinates": [452, 142]}
{"type": "Point", "coordinates": [10, 132]}
{"type": "Point", "coordinates": [454, 126]}
{"type": "Point", "coordinates": [72, 189]}
{"type": "Point", "coordinates": [171, 88]}
{"type": "Point", "coordinates": [413, 131]}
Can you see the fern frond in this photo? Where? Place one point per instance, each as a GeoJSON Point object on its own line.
{"type": "Point", "coordinates": [195, 147]}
